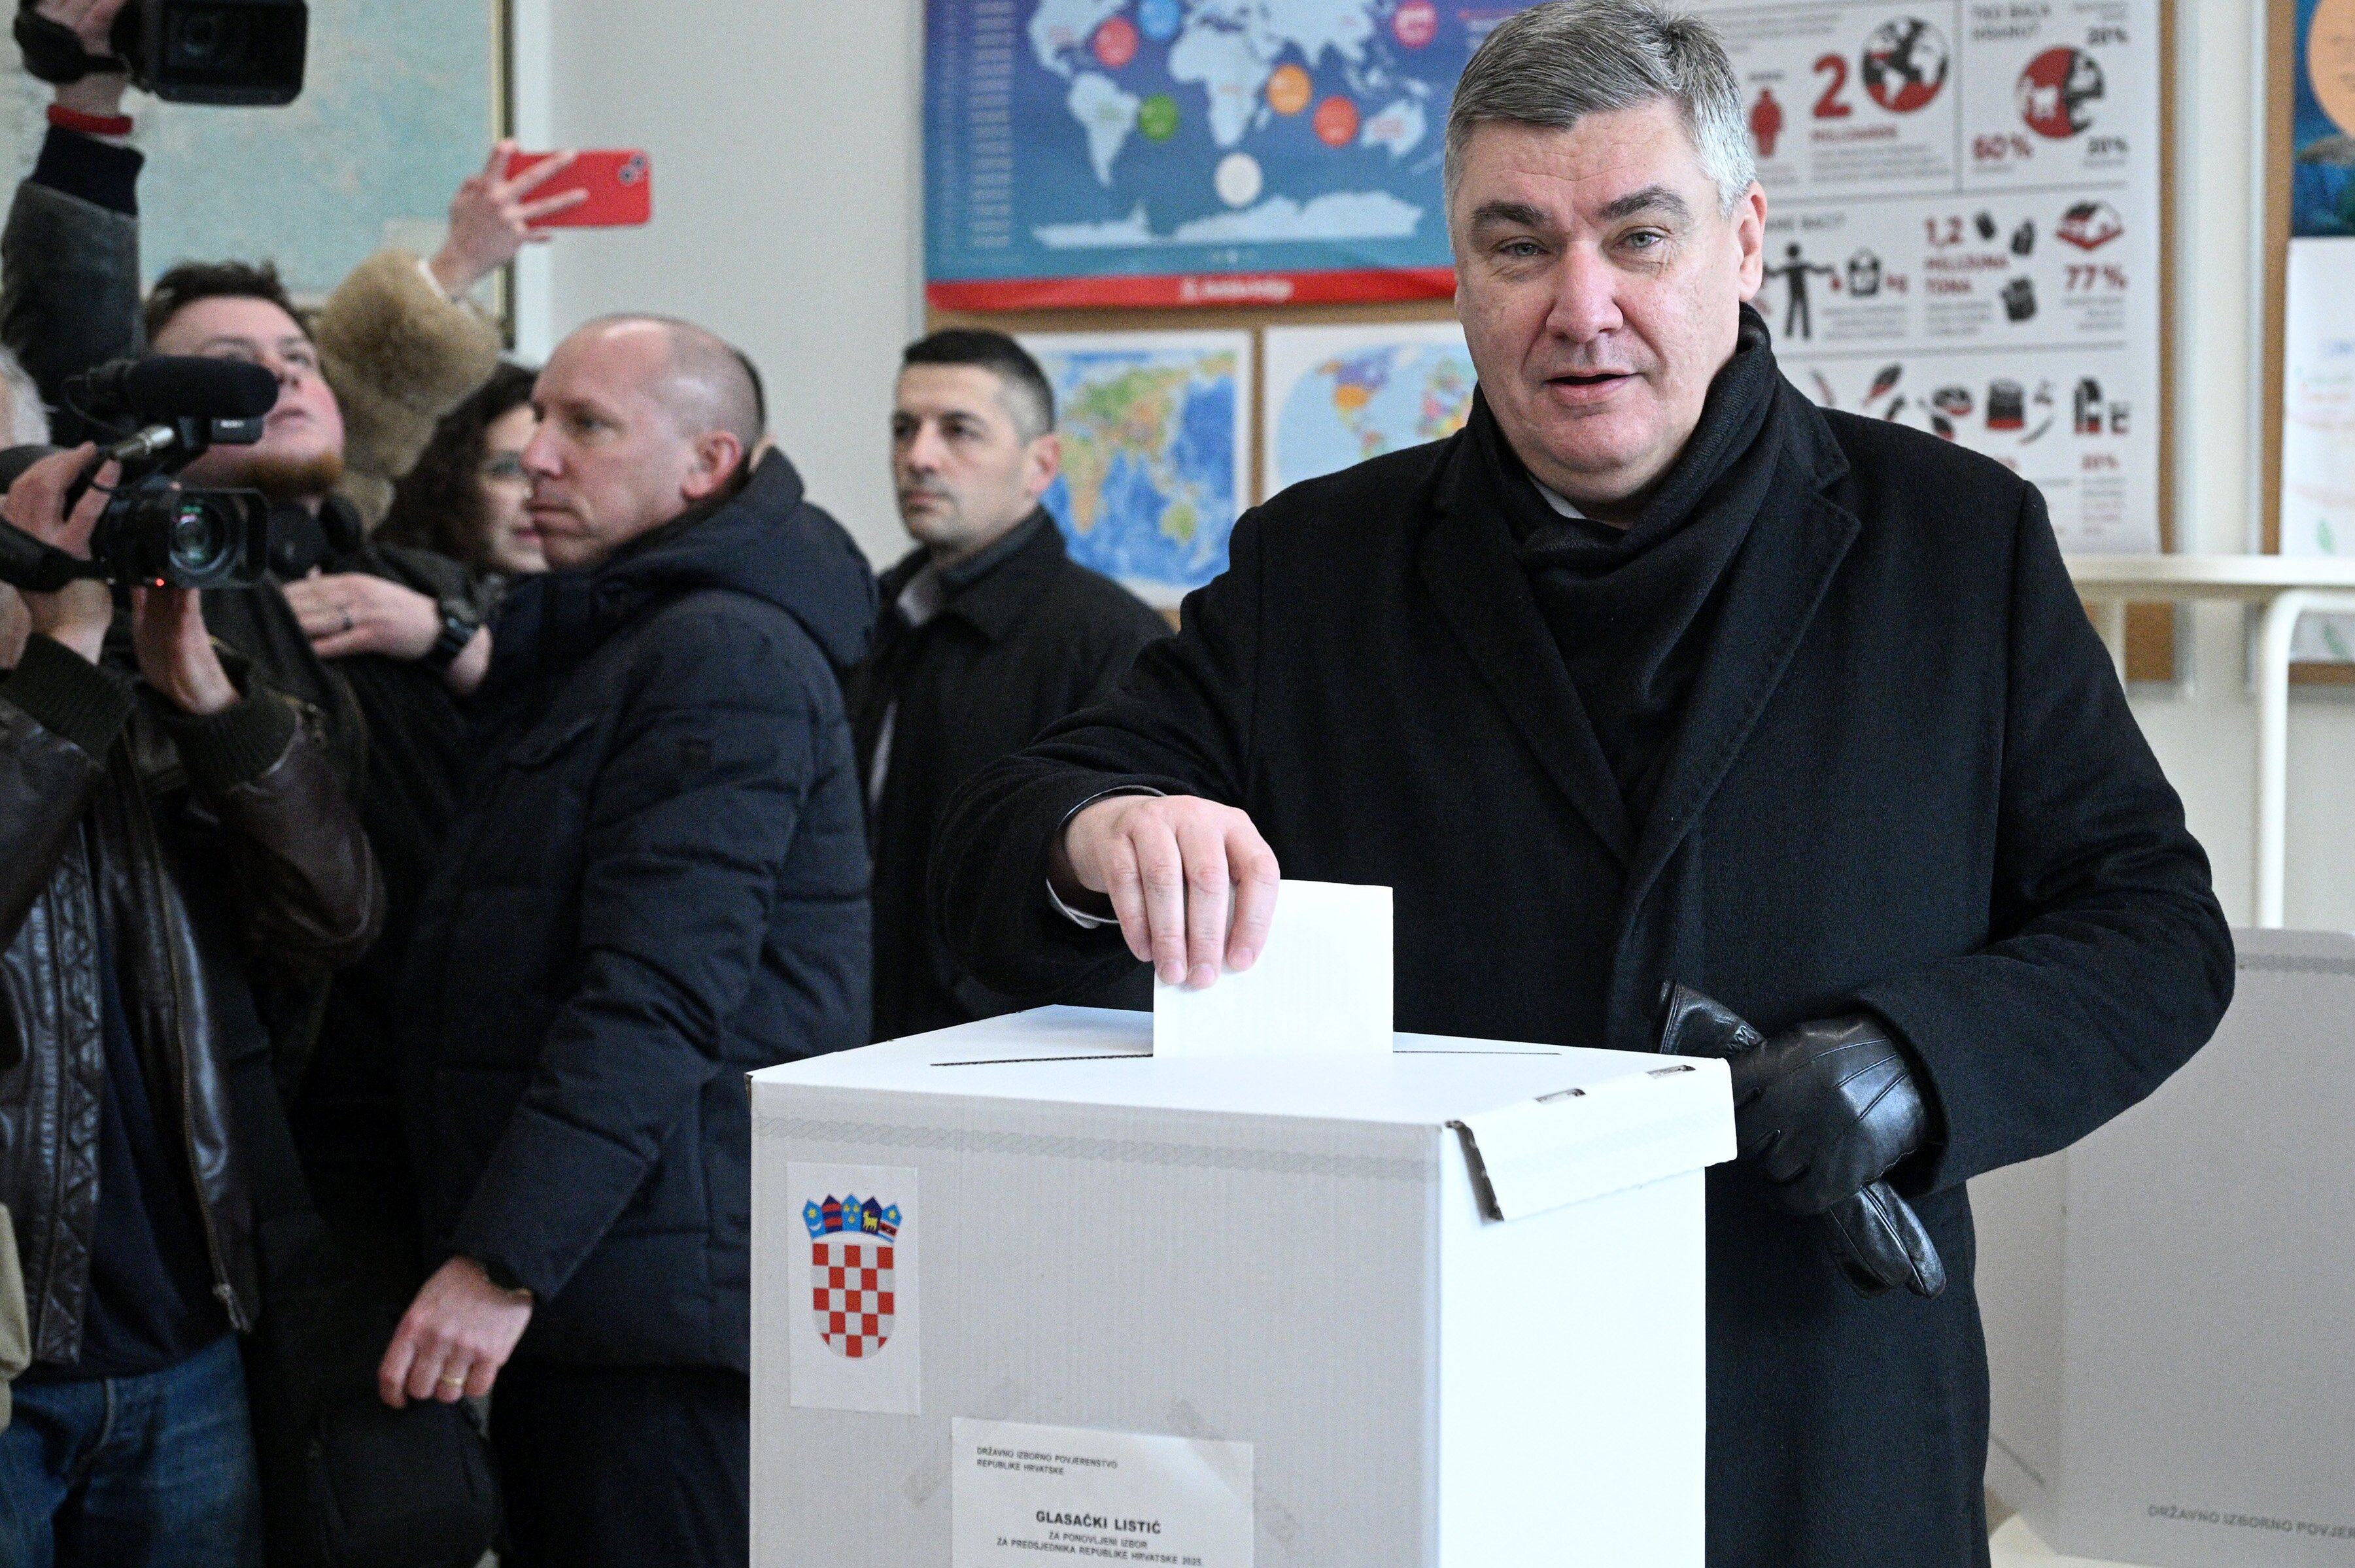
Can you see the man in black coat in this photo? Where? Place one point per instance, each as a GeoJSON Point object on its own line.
{"type": "Point", "coordinates": [656, 883]}
{"type": "Point", "coordinates": [989, 633]}
{"type": "Point", "coordinates": [1659, 673]}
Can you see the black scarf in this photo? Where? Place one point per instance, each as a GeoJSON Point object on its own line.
{"type": "Point", "coordinates": [1632, 609]}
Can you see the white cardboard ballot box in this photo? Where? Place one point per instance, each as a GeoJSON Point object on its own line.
{"type": "Point", "coordinates": [1023, 1294]}
{"type": "Point", "coordinates": [2170, 1303]}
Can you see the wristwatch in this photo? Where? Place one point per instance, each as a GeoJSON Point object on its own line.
{"type": "Point", "coordinates": [460, 622]}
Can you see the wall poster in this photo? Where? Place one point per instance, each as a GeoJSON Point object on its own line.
{"type": "Point", "coordinates": [1182, 153]}
{"type": "Point", "coordinates": [1964, 231]}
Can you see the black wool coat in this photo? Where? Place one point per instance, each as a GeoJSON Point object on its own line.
{"type": "Point", "coordinates": [656, 883]}
{"type": "Point", "coordinates": [1033, 639]}
{"type": "Point", "coordinates": [1906, 779]}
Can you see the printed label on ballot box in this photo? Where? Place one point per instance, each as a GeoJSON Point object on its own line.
{"type": "Point", "coordinates": [1030, 1495]}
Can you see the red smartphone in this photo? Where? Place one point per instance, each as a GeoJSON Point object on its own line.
{"type": "Point", "coordinates": [620, 183]}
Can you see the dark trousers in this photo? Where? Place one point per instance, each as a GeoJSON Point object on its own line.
{"type": "Point", "coordinates": [153, 1471]}
{"type": "Point", "coordinates": [624, 1465]}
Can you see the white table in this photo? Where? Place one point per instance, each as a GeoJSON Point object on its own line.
{"type": "Point", "coordinates": [2286, 587]}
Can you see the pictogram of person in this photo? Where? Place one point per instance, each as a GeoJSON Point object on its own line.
{"type": "Point", "coordinates": [1797, 320]}
{"type": "Point", "coordinates": [1766, 122]}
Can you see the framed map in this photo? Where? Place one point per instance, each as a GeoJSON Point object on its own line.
{"type": "Point", "coordinates": [1157, 452]}
{"type": "Point", "coordinates": [399, 103]}
{"type": "Point", "coordinates": [1338, 395]}
{"type": "Point", "coordinates": [1159, 153]}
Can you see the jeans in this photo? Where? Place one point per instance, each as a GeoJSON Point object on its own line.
{"type": "Point", "coordinates": [153, 1471]}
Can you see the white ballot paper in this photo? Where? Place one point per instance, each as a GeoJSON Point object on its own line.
{"type": "Point", "coordinates": [1321, 987]}
{"type": "Point", "coordinates": [1025, 1496]}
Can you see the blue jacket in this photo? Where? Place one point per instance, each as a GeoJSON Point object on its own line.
{"type": "Point", "coordinates": [656, 883]}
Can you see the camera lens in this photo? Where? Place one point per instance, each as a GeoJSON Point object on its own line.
{"type": "Point", "coordinates": [199, 538]}
{"type": "Point", "coordinates": [208, 37]}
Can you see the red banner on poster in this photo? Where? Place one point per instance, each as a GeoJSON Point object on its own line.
{"type": "Point", "coordinates": [1369, 286]}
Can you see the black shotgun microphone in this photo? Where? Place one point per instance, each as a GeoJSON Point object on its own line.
{"type": "Point", "coordinates": [167, 386]}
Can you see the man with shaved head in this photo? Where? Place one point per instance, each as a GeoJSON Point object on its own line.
{"type": "Point", "coordinates": [657, 883]}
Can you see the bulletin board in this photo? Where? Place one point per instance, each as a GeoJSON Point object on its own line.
{"type": "Point", "coordinates": [1980, 212]}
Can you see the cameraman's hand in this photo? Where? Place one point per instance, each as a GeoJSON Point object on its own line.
{"type": "Point", "coordinates": [1192, 882]}
{"type": "Point", "coordinates": [491, 219]}
{"type": "Point", "coordinates": [79, 613]}
{"type": "Point", "coordinates": [176, 653]}
{"type": "Point", "coordinates": [353, 612]}
{"type": "Point", "coordinates": [92, 22]}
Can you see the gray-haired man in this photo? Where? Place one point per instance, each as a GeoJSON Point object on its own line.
{"type": "Point", "coordinates": [1659, 673]}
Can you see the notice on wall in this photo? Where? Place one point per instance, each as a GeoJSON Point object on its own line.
{"type": "Point", "coordinates": [2318, 480]}
{"type": "Point", "coordinates": [1025, 1494]}
{"type": "Point", "coordinates": [1963, 230]}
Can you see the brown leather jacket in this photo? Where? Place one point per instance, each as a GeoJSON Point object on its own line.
{"type": "Point", "coordinates": [226, 850]}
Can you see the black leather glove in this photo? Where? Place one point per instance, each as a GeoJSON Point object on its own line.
{"type": "Point", "coordinates": [1813, 1107]}
{"type": "Point", "coordinates": [1827, 1108]}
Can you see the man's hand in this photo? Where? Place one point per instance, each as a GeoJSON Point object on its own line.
{"type": "Point", "coordinates": [491, 219]}
{"type": "Point", "coordinates": [15, 627]}
{"type": "Point", "coordinates": [1827, 1109]}
{"type": "Point", "coordinates": [353, 612]}
{"type": "Point", "coordinates": [92, 22]}
{"type": "Point", "coordinates": [79, 613]}
{"type": "Point", "coordinates": [177, 652]}
{"type": "Point", "coordinates": [454, 1340]}
{"type": "Point", "coordinates": [1192, 882]}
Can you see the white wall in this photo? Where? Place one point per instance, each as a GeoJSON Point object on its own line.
{"type": "Point", "coordinates": [788, 150]}
{"type": "Point", "coordinates": [787, 169]}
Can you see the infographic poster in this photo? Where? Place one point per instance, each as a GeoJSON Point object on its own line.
{"type": "Point", "coordinates": [1964, 233]}
{"type": "Point", "coordinates": [1169, 152]}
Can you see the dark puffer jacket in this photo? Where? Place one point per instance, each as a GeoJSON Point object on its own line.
{"type": "Point", "coordinates": [658, 882]}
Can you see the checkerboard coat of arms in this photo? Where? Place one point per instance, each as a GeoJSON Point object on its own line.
{"type": "Point", "coordinates": [853, 1294]}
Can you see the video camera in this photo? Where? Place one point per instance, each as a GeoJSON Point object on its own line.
{"type": "Point", "coordinates": [166, 411]}
{"type": "Point", "coordinates": [247, 53]}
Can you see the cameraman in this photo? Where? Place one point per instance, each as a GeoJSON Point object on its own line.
{"type": "Point", "coordinates": [172, 834]}
{"type": "Point", "coordinates": [378, 640]}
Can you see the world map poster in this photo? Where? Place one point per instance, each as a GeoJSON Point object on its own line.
{"type": "Point", "coordinates": [1157, 452]}
{"type": "Point", "coordinates": [1340, 395]}
{"type": "Point", "coordinates": [1161, 152]}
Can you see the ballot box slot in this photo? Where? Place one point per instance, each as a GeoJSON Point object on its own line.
{"type": "Point", "coordinates": [1027, 1061]}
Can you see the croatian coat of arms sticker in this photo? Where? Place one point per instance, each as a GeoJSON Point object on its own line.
{"type": "Point", "coordinates": [848, 1307]}
{"type": "Point", "coordinates": [854, 1262]}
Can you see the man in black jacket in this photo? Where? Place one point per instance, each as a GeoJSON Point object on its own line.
{"type": "Point", "coordinates": [989, 633]}
{"type": "Point", "coordinates": [1658, 673]}
{"type": "Point", "coordinates": [169, 833]}
{"type": "Point", "coordinates": [656, 883]}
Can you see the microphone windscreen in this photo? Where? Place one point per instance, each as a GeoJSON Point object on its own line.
{"type": "Point", "coordinates": [176, 387]}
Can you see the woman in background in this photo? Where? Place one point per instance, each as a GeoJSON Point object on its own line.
{"type": "Point", "coordinates": [465, 497]}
